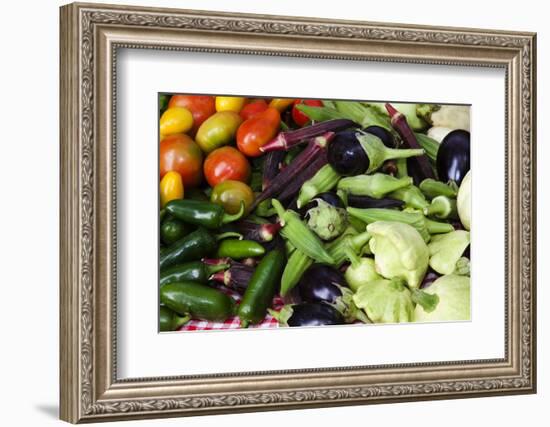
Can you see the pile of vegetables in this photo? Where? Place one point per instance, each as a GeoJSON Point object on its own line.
{"type": "Point", "coordinates": [352, 212]}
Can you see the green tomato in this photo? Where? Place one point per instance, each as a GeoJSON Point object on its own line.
{"type": "Point", "coordinates": [218, 130]}
{"type": "Point", "coordinates": [229, 194]}
{"type": "Point", "coordinates": [454, 300]}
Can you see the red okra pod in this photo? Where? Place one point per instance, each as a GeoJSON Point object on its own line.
{"type": "Point", "coordinates": [419, 163]}
{"type": "Point", "coordinates": [302, 160]}
{"type": "Point", "coordinates": [289, 139]}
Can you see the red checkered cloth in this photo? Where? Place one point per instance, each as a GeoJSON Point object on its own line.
{"type": "Point", "coordinates": [234, 322]}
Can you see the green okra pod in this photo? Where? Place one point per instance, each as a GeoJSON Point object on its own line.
{"type": "Point", "coordinates": [325, 179]}
{"type": "Point", "coordinates": [411, 196]}
{"type": "Point", "coordinates": [432, 188]}
{"type": "Point", "coordinates": [296, 266]}
{"type": "Point", "coordinates": [441, 207]}
{"type": "Point", "coordinates": [300, 235]}
{"type": "Point", "coordinates": [377, 185]}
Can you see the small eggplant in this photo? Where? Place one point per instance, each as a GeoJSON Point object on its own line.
{"type": "Point", "coordinates": [453, 156]}
{"type": "Point", "coordinates": [346, 155]}
{"type": "Point", "coordinates": [382, 133]}
{"type": "Point", "coordinates": [329, 197]}
{"type": "Point", "coordinates": [308, 314]}
{"type": "Point", "coordinates": [322, 283]}
{"type": "Point", "coordinates": [356, 152]}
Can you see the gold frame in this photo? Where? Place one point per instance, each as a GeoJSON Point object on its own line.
{"type": "Point", "coordinates": [90, 36]}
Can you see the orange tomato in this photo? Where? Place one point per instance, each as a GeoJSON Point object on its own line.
{"type": "Point", "coordinates": [257, 131]}
{"type": "Point", "coordinates": [181, 154]}
{"type": "Point", "coordinates": [226, 163]}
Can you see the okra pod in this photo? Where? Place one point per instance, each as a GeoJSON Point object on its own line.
{"type": "Point", "coordinates": [377, 185]}
{"type": "Point", "coordinates": [325, 179]}
{"type": "Point", "coordinates": [308, 155]}
{"type": "Point", "coordinates": [301, 237]}
{"type": "Point", "coordinates": [296, 266]}
{"type": "Point", "coordinates": [433, 188]}
{"type": "Point", "coordinates": [399, 123]}
{"type": "Point", "coordinates": [236, 277]}
{"type": "Point", "coordinates": [286, 140]}
{"type": "Point", "coordinates": [411, 196]}
{"type": "Point", "coordinates": [339, 248]}
{"type": "Point", "coordinates": [294, 187]}
{"type": "Point", "coordinates": [441, 207]}
{"type": "Point", "coordinates": [259, 232]}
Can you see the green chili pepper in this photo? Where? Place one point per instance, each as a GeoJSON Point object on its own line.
{"type": "Point", "coordinates": [298, 233]}
{"type": "Point", "coordinates": [262, 288]}
{"type": "Point", "coordinates": [196, 245]}
{"type": "Point", "coordinates": [198, 301]}
{"type": "Point", "coordinates": [194, 271]}
{"type": "Point", "coordinates": [239, 249]}
{"type": "Point", "coordinates": [205, 214]}
{"type": "Point", "coordinates": [170, 320]}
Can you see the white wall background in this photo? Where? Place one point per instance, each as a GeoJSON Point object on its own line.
{"type": "Point", "coordinates": [29, 170]}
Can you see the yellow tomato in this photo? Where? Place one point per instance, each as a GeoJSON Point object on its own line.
{"type": "Point", "coordinates": [175, 120]}
{"type": "Point", "coordinates": [171, 188]}
{"type": "Point", "coordinates": [229, 103]}
{"type": "Point", "coordinates": [281, 104]}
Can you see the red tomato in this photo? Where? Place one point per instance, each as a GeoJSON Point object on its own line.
{"type": "Point", "coordinates": [180, 153]}
{"type": "Point", "coordinates": [253, 108]}
{"type": "Point", "coordinates": [257, 131]}
{"type": "Point", "coordinates": [226, 163]}
{"type": "Point", "coordinates": [300, 118]}
{"type": "Point", "coordinates": [201, 107]}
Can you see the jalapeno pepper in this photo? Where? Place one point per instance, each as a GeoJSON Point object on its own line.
{"type": "Point", "coordinates": [262, 288]}
{"type": "Point", "coordinates": [199, 301]}
{"type": "Point", "coordinates": [200, 213]}
{"type": "Point", "coordinates": [173, 229]}
{"type": "Point", "coordinates": [194, 271]}
{"type": "Point", "coordinates": [239, 249]}
{"type": "Point", "coordinates": [196, 245]}
{"type": "Point", "coordinates": [169, 320]}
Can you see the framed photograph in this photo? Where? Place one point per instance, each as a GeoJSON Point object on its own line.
{"type": "Point", "coordinates": [268, 212]}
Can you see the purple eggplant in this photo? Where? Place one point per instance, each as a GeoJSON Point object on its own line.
{"type": "Point", "coordinates": [356, 152]}
{"type": "Point", "coordinates": [453, 156]}
{"type": "Point", "coordinates": [321, 283]}
{"type": "Point", "coordinates": [370, 202]}
{"type": "Point", "coordinates": [325, 284]}
{"type": "Point", "coordinates": [309, 314]}
{"type": "Point", "coordinates": [329, 197]}
{"type": "Point", "coordinates": [346, 155]}
{"type": "Point", "coordinates": [385, 135]}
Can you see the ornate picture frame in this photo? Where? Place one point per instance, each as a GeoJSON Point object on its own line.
{"type": "Point", "coordinates": [90, 37]}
